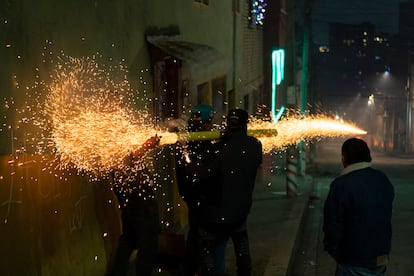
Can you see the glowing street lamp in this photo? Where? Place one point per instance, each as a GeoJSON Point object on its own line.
{"type": "Point", "coordinates": [371, 100]}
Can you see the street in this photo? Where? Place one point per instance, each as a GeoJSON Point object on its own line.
{"type": "Point", "coordinates": [286, 233]}
{"type": "Point", "coordinates": [310, 258]}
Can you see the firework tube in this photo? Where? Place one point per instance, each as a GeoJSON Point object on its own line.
{"type": "Point", "coordinates": [216, 134]}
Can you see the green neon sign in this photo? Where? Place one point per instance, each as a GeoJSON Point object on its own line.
{"type": "Point", "coordinates": [278, 74]}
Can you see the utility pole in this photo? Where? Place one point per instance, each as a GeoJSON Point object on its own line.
{"type": "Point", "coordinates": [304, 78]}
{"type": "Point", "coordinates": [410, 106]}
{"type": "Point", "coordinates": [305, 57]}
{"type": "Point", "coordinates": [291, 98]}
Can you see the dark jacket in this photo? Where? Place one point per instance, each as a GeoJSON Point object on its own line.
{"type": "Point", "coordinates": [133, 185]}
{"type": "Point", "coordinates": [357, 216]}
{"type": "Point", "coordinates": [234, 171]}
{"type": "Point", "coordinates": [189, 186]}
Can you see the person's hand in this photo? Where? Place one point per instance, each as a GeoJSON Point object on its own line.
{"type": "Point", "coordinates": [151, 143]}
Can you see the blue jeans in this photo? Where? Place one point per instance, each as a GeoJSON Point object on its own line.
{"type": "Point", "coordinates": [220, 257]}
{"type": "Point", "coordinates": [346, 270]}
{"type": "Point", "coordinates": [192, 258]}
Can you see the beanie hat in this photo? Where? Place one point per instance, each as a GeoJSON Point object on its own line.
{"type": "Point", "coordinates": [237, 118]}
{"type": "Point", "coordinates": [202, 112]}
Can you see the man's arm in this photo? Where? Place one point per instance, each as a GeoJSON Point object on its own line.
{"type": "Point", "coordinates": [333, 221]}
{"type": "Point", "coordinates": [150, 144]}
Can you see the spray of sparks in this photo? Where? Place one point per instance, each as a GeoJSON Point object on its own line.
{"type": "Point", "coordinates": [92, 126]}
{"type": "Point", "coordinates": [88, 118]}
{"type": "Point", "coordinates": [295, 128]}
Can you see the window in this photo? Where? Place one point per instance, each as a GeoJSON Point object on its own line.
{"type": "Point", "coordinates": [218, 88]}
{"type": "Point", "coordinates": [257, 10]}
{"type": "Point", "coordinates": [236, 6]}
{"type": "Point", "coordinates": [231, 99]}
{"type": "Point", "coordinates": [203, 95]}
{"type": "Point", "coordinates": [255, 100]}
{"type": "Point", "coordinates": [246, 103]}
{"type": "Point", "coordinates": [204, 2]}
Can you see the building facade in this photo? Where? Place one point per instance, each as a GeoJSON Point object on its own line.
{"type": "Point", "coordinates": [179, 53]}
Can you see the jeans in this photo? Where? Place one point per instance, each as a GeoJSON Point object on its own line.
{"type": "Point", "coordinates": [192, 258]}
{"type": "Point", "coordinates": [140, 228]}
{"type": "Point", "coordinates": [220, 258]}
{"type": "Point", "coordinates": [346, 270]}
{"type": "Point", "coordinates": [212, 236]}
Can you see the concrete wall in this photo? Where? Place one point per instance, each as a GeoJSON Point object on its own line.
{"type": "Point", "coordinates": [252, 56]}
{"type": "Point", "coordinates": [33, 32]}
{"type": "Point", "coordinates": [62, 223]}
{"type": "Point", "coordinates": [53, 226]}
{"type": "Point", "coordinates": [211, 25]}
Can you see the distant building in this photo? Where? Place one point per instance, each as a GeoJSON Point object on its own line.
{"type": "Point", "coordinates": [357, 63]}
{"type": "Point", "coordinates": [405, 61]}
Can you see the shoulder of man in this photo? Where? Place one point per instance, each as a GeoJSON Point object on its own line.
{"type": "Point", "coordinates": [255, 141]}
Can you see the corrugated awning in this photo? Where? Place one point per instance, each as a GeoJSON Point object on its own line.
{"type": "Point", "coordinates": [196, 53]}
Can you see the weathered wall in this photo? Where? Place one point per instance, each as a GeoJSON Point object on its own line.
{"type": "Point", "coordinates": [60, 223]}
{"type": "Point", "coordinates": [252, 76]}
{"type": "Point", "coordinates": [53, 226]}
{"type": "Point", "coordinates": [32, 32]}
{"type": "Point", "coordinates": [35, 32]}
{"type": "Point", "coordinates": [212, 25]}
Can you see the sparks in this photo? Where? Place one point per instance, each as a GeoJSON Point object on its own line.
{"type": "Point", "coordinates": [91, 125]}
{"type": "Point", "coordinates": [88, 119]}
{"type": "Point", "coordinates": [294, 128]}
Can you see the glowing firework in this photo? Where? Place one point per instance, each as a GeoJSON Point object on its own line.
{"type": "Point", "coordinates": [289, 131]}
{"type": "Point", "coordinates": [294, 128]}
{"type": "Point", "coordinates": [92, 127]}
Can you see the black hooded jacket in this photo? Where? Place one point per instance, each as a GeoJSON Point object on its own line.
{"type": "Point", "coordinates": [229, 197]}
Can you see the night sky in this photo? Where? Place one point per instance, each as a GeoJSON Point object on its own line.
{"type": "Point", "coordinates": [382, 13]}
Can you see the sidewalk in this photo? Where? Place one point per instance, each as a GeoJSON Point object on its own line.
{"type": "Point", "coordinates": [274, 225]}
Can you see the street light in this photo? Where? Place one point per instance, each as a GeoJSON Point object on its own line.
{"type": "Point", "coordinates": [371, 100]}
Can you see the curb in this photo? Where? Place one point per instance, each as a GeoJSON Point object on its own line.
{"type": "Point", "coordinates": [288, 233]}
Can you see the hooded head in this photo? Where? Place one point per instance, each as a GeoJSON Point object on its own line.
{"type": "Point", "coordinates": [355, 150]}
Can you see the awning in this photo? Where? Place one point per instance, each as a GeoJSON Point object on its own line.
{"type": "Point", "coordinates": [196, 53]}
